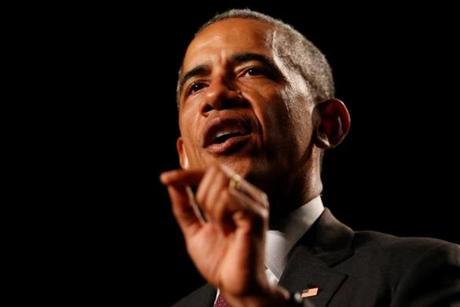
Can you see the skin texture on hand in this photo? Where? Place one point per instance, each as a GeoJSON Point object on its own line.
{"type": "Point", "coordinates": [228, 249]}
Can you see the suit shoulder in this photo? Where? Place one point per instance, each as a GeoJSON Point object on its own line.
{"type": "Point", "coordinates": [202, 296]}
{"type": "Point", "coordinates": [409, 248]}
{"type": "Point", "coordinates": [384, 240]}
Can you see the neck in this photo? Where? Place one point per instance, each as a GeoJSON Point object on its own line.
{"type": "Point", "coordinates": [287, 192]}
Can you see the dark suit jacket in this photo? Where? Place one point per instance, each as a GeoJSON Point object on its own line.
{"type": "Point", "coordinates": [364, 268]}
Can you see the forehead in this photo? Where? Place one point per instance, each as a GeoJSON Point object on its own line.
{"type": "Point", "coordinates": [227, 37]}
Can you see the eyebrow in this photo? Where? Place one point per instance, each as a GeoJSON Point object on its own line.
{"type": "Point", "coordinates": [247, 57]}
{"type": "Point", "coordinates": [200, 70]}
{"type": "Point", "coordinates": [238, 58]}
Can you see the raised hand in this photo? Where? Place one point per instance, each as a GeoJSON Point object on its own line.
{"type": "Point", "coordinates": [228, 247]}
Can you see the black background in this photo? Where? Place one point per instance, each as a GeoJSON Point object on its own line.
{"type": "Point", "coordinates": [104, 103]}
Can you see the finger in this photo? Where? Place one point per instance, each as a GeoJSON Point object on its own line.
{"type": "Point", "coordinates": [246, 187]}
{"type": "Point", "coordinates": [253, 216]}
{"type": "Point", "coordinates": [191, 198]}
{"type": "Point", "coordinates": [250, 190]}
{"type": "Point", "coordinates": [182, 177]}
{"type": "Point", "coordinates": [212, 185]}
{"type": "Point", "coordinates": [223, 210]}
{"type": "Point", "coordinates": [206, 183]}
{"type": "Point", "coordinates": [248, 204]}
{"type": "Point", "coordinates": [183, 211]}
{"type": "Point", "coordinates": [231, 202]}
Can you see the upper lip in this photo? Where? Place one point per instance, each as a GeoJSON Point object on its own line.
{"type": "Point", "coordinates": [223, 124]}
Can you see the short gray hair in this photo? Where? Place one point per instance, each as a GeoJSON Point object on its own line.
{"type": "Point", "coordinates": [296, 52]}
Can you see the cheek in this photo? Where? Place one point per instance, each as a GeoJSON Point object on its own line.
{"type": "Point", "coordinates": [299, 110]}
{"type": "Point", "coordinates": [289, 125]}
{"type": "Point", "coordinates": [273, 115]}
{"type": "Point", "coordinates": [190, 129]}
{"type": "Point", "coordinates": [279, 110]}
{"type": "Point", "coordinates": [188, 124]}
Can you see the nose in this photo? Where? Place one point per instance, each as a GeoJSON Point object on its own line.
{"type": "Point", "coordinates": [221, 95]}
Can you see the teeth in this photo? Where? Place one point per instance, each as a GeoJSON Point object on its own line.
{"type": "Point", "coordinates": [224, 133]}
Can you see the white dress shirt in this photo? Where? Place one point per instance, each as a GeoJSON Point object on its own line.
{"type": "Point", "coordinates": [290, 229]}
{"type": "Point", "coordinates": [281, 240]}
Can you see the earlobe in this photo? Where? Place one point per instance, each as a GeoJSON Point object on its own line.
{"type": "Point", "coordinates": [333, 125]}
{"type": "Point", "coordinates": [183, 158]}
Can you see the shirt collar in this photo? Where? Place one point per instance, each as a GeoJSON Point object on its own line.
{"type": "Point", "coordinates": [281, 240]}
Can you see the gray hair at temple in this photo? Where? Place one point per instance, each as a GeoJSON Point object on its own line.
{"type": "Point", "coordinates": [296, 52]}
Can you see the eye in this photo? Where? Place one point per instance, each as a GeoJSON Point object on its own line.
{"type": "Point", "coordinates": [255, 71]}
{"type": "Point", "coordinates": [195, 87]}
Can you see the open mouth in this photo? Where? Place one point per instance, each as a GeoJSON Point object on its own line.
{"type": "Point", "coordinates": [222, 136]}
{"type": "Point", "coordinates": [226, 133]}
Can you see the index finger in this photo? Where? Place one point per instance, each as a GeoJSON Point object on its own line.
{"type": "Point", "coordinates": [182, 177]}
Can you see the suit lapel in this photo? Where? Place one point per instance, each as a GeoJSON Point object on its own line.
{"type": "Point", "coordinates": [202, 297]}
{"type": "Point", "coordinates": [311, 262]}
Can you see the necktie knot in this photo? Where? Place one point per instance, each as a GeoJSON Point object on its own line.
{"type": "Point", "coordinates": [221, 302]}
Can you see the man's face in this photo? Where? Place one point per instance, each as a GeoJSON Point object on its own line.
{"type": "Point", "coordinates": [240, 105]}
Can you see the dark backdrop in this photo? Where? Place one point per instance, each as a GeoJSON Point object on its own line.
{"type": "Point", "coordinates": [110, 127]}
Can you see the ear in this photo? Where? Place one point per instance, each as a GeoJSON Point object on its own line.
{"type": "Point", "coordinates": [333, 125]}
{"type": "Point", "coordinates": [183, 158]}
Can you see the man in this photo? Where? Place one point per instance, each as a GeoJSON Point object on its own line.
{"type": "Point", "coordinates": [256, 113]}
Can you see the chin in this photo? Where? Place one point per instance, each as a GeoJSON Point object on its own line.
{"type": "Point", "coordinates": [241, 165]}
